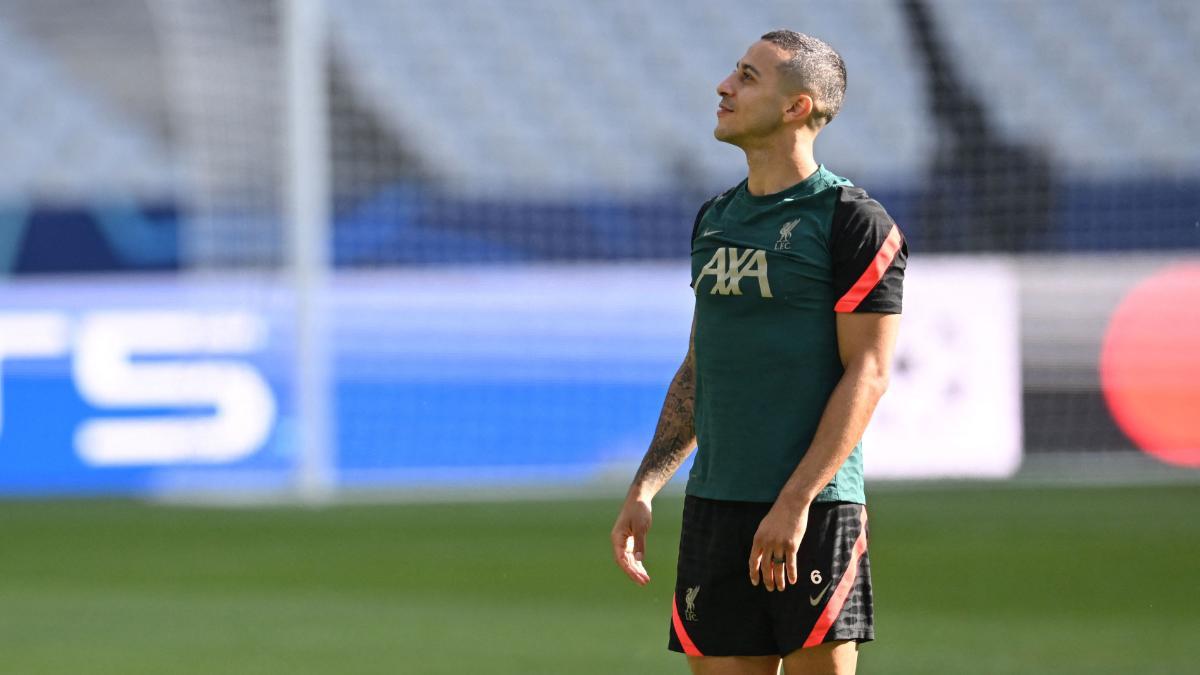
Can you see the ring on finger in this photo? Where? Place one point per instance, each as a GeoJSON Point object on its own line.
{"type": "Point", "coordinates": [778, 560]}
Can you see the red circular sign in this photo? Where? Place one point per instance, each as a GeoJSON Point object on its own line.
{"type": "Point", "coordinates": [1150, 365]}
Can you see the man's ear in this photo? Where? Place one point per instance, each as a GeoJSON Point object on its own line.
{"type": "Point", "coordinates": [801, 109]}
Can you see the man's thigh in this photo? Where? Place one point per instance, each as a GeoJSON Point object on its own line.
{"type": "Point", "coordinates": [830, 658]}
{"type": "Point", "coordinates": [832, 602]}
{"type": "Point", "coordinates": [734, 665]}
{"type": "Point", "coordinates": [715, 610]}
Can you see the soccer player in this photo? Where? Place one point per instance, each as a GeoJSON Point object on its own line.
{"type": "Point", "coordinates": [797, 276]}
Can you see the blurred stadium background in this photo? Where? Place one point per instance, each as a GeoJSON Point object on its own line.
{"type": "Point", "coordinates": [396, 252]}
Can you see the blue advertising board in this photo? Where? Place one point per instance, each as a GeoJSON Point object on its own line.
{"type": "Point", "coordinates": [153, 383]}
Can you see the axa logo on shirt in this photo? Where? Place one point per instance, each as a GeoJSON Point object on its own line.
{"type": "Point", "coordinates": [729, 265]}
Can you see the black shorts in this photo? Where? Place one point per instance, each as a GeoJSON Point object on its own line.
{"type": "Point", "coordinates": [717, 612]}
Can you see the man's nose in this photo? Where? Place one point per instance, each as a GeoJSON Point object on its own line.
{"type": "Point", "coordinates": [723, 88]}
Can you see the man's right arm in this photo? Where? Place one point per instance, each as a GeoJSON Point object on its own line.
{"type": "Point", "coordinates": [674, 439]}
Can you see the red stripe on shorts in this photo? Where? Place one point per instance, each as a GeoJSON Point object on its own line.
{"type": "Point", "coordinates": [689, 647]}
{"type": "Point", "coordinates": [834, 607]}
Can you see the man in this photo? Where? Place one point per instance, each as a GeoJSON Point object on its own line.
{"type": "Point", "coordinates": [798, 278]}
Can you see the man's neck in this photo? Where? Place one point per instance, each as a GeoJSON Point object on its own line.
{"type": "Point", "coordinates": [773, 168]}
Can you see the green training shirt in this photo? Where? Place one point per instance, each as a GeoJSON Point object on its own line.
{"type": "Point", "coordinates": [770, 273]}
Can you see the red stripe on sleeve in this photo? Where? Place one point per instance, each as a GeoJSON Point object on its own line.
{"type": "Point", "coordinates": [834, 606]}
{"type": "Point", "coordinates": [689, 647]}
{"type": "Point", "coordinates": [874, 272]}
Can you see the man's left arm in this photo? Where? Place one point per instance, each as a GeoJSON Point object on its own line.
{"type": "Point", "coordinates": [865, 344]}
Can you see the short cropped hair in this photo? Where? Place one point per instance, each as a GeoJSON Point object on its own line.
{"type": "Point", "coordinates": [815, 67]}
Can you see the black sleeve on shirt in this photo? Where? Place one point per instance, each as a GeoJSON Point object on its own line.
{"type": "Point", "coordinates": [869, 255]}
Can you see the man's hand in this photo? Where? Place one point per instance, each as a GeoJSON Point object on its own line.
{"type": "Point", "coordinates": [865, 343]}
{"type": "Point", "coordinates": [629, 539]}
{"type": "Point", "coordinates": [778, 538]}
{"type": "Point", "coordinates": [674, 439]}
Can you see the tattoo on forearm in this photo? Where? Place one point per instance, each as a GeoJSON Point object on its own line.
{"type": "Point", "coordinates": [676, 431]}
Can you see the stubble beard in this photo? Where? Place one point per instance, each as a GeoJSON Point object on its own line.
{"type": "Point", "coordinates": [746, 138]}
{"type": "Point", "coordinates": [725, 136]}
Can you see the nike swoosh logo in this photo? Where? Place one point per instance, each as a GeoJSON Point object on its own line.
{"type": "Point", "coordinates": [711, 232]}
{"type": "Point", "coordinates": [814, 601]}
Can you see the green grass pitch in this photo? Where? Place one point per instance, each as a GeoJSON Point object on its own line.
{"type": "Point", "coordinates": [983, 579]}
